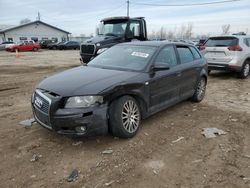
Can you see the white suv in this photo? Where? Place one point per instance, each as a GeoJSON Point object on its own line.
{"type": "Point", "coordinates": [230, 52]}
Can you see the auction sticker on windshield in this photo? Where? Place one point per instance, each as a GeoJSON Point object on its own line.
{"type": "Point", "coordinates": [140, 54]}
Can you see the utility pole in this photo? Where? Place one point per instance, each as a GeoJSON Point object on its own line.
{"type": "Point", "coordinates": [127, 8]}
{"type": "Point", "coordinates": [38, 16]}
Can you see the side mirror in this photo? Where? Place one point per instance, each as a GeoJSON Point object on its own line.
{"type": "Point", "coordinates": [158, 66]}
{"type": "Point", "coordinates": [137, 30]}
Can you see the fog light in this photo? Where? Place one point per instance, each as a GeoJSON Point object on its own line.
{"type": "Point", "coordinates": [81, 129]}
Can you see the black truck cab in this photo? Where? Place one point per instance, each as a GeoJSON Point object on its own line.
{"type": "Point", "coordinates": [112, 31]}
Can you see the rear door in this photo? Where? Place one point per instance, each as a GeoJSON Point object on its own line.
{"type": "Point", "coordinates": [190, 69]}
{"type": "Point", "coordinates": [217, 49]}
{"type": "Point", "coordinates": [164, 85]}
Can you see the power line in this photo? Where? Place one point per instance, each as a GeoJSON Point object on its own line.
{"type": "Point", "coordinates": [182, 5]}
{"type": "Point", "coordinates": [111, 10]}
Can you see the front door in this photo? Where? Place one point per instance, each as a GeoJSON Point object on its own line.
{"type": "Point", "coordinates": [164, 84]}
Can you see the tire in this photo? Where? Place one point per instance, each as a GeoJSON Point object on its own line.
{"type": "Point", "coordinates": [244, 70]}
{"type": "Point", "coordinates": [200, 90]}
{"type": "Point", "coordinates": [124, 117]}
{"type": "Point", "coordinates": [208, 72]}
{"type": "Point", "coordinates": [54, 48]}
{"type": "Point", "coordinates": [35, 49]}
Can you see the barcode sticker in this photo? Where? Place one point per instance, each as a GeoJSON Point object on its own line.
{"type": "Point", "coordinates": [140, 54]}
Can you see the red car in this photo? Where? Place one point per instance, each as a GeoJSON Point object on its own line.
{"type": "Point", "coordinates": [24, 46]}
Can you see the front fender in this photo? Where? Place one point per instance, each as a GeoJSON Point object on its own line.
{"type": "Point", "coordinates": [138, 91]}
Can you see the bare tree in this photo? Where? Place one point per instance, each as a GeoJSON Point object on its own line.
{"type": "Point", "coordinates": [225, 29]}
{"type": "Point", "coordinates": [170, 35]}
{"type": "Point", "coordinates": [188, 32]}
{"type": "Point", "coordinates": [182, 32]}
{"type": "Point", "coordinates": [162, 33]}
{"type": "Point", "coordinates": [24, 21]}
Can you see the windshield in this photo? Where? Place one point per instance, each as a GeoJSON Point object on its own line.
{"type": "Point", "coordinates": [221, 41]}
{"type": "Point", "coordinates": [124, 57]}
{"type": "Point", "coordinates": [113, 28]}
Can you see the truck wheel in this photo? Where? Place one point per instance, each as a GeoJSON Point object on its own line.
{"type": "Point", "coordinates": [244, 70]}
{"type": "Point", "coordinates": [124, 117]}
{"type": "Point", "coordinates": [200, 90]}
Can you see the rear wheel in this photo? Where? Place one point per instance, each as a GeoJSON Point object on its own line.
{"type": "Point", "coordinates": [200, 90]}
{"type": "Point", "coordinates": [125, 117]}
{"type": "Point", "coordinates": [245, 70]}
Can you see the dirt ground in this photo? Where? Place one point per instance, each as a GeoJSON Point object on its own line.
{"type": "Point", "coordinates": [157, 157]}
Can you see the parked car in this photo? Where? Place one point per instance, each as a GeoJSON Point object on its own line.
{"type": "Point", "coordinates": [54, 46]}
{"type": "Point", "coordinates": [24, 46]}
{"type": "Point", "coordinates": [70, 45]}
{"type": "Point", "coordinates": [5, 44]}
{"type": "Point", "coordinates": [231, 53]}
{"type": "Point", "coordinates": [45, 43]}
{"type": "Point", "coordinates": [120, 87]}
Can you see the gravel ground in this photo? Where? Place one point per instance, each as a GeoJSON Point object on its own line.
{"type": "Point", "coordinates": [169, 150]}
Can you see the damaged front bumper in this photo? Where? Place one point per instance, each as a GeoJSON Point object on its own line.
{"type": "Point", "coordinates": [72, 121]}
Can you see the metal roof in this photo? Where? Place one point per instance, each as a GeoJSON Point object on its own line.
{"type": "Point", "coordinates": [30, 23]}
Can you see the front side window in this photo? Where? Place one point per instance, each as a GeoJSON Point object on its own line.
{"type": "Point", "coordinates": [167, 55]}
{"type": "Point", "coordinates": [132, 27]}
{"type": "Point", "coordinates": [113, 28]}
{"type": "Point", "coordinates": [124, 57]}
{"type": "Point", "coordinates": [185, 54]}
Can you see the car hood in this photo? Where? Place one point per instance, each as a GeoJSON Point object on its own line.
{"type": "Point", "coordinates": [84, 80]}
{"type": "Point", "coordinates": [103, 40]}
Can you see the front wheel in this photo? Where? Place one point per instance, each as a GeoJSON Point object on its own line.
{"type": "Point", "coordinates": [124, 117]}
{"type": "Point", "coordinates": [200, 90]}
{"type": "Point", "coordinates": [245, 70]}
{"type": "Point", "coordinates": [35, 49]}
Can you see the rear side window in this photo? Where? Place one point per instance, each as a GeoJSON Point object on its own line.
{"type": "Point", "coordinates": [247, 42]}
{"type": "Point", "coordinates": [221, 41]}
{"type": "Point", "coordinates": [195, 53]}
{"type": "Point", "coordinates": [185, 54]}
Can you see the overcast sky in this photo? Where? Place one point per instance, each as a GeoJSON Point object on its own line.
{"type": "Point", "coordinates": [82, 16]}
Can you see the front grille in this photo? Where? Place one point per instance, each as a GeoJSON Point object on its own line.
{"type": "Point", "coordinates": [44, 103]}
{"type": "Point", "coordinates": [88, 49]}
{"type": "Point", "coordinates": [41, 108]}
{"type": "Point", "coordinates": [42, 118]}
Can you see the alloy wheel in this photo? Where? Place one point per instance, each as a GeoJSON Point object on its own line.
{"type": "Point", "coordinates": [201, 88]}
{"type": "Point", "coordinates": [246, 70]}
{"type": "Point", "coordinates": [130, 116]}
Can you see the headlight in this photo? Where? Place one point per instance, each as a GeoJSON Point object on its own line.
{"type": "Point", "coordinates": [101, 50]}
{"type": "Point", "coordinates": [83, 101]}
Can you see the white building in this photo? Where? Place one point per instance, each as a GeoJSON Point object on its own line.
{"type": "Point", "coordinates": [36, 30]}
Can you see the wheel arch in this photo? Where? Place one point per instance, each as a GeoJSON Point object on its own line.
{"type": "Point", "coordinates": [138, 97]}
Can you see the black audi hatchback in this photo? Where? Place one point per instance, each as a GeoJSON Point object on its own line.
{"type": "Point", "coordinates": [119, 88]}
